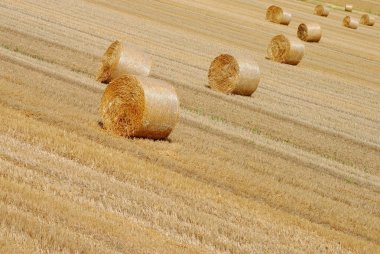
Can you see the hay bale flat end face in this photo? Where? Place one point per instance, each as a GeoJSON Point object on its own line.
{"type": "Point", "coordinates": [123, 58]}
{"type": "Point", "coordinates": [110, 60]}
{"type": "Point", "coordinates": [134, 106]}
{"type": "Point", "coordinates": [277, 15]}
{"type": "Point", "coordinates": [234, 75]}
{"type": "Point", "coordinates": [321, 10]}
{"type": "Point", "coordinates": [367, 20]}
{"type": "Point", "coordinates": [284, 50]}
{"type": "Point", "coordinates": [310, 32]}
{"type": "Point", "coordinates": [350, 22]}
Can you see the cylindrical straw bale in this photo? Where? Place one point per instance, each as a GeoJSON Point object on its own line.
{"type": "Point", "coordinates": [321, 10]}
{"type": "Point", "coordinates": [237, 75]}
{"type": "Point", "coordinates": [136, 106]}
{"type": "Point", "coordinates": [277, 15]}
{"type": "Point", "coordinates": [367, 20]}
{"type": "Point", "coordinates": [348, 7]}
{"type": "Point", "coordinates": [350, 22]}
{"type": "Point", "coordinates": [309, 32]}
{"type": "Point", "coordinates": [123, 58]}
{"type": "Point", "coordinates": [284, 50]}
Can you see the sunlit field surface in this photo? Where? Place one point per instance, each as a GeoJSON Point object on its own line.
{"type": "Point", "coordinates": [295, 168]}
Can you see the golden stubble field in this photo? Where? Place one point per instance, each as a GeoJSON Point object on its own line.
{"type": "Point", "coordinates": [293, 169]}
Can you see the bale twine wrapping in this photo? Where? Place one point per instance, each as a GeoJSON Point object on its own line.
{"type": "Point", "coordinates": [348, 7]}
{"type": "Point", "coordinates": [367, 20]}
{"type": "Point", "coordinates": [309, 32]}
{"type": "Point", "coordinates": [350, 22]}
{"type": "Point", "coordinates": [275, 14]}
{"type": "Point", "coordinates": [136, 106]}
{"type": "Point", "coordinates": [284, 50]}
{"type": "Point", "coordinates": [122, 58]}
{"type": "Point", "coordinates": [237, 75]}
{"type": "Point", "coordinates": [321, 10]}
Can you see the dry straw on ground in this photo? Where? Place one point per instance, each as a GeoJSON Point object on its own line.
{"type": "Point", "coordinates": [367, 20]}
{"type": "Point", "coordinates": [135, 106]}
{"type": "Point", "coordinates": [348, 7]}
{"type": "Point", "coordinates": [284, 50]}
{"type": "Point", "coordinates": [237, 75]}
{"type": "Point", "coordinates": [123, 58]}
{"type": "Point", "coordinates": [321, 10]}
{"type": "Point", "coordinates": [350, 22]}
{"type": "Point", "coordinates": [277, 15]}
{"type": "Point", "coordinates": [311, 32]}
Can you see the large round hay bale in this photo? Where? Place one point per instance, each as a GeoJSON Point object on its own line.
{"type": "Point", "coordinates": [311, 32]}
{"type": "Point", "coordinates": [284, 50]}
{"type": "Point", "coordinates": [348, 7]}
{"type": "Point", "coordinates": [135, 106]}
{"type": "Point", "coordinates": [350, 22]}
{"type": "Point", "coordinates": [321, 10]}
{"type": "Point", "coordinates": [367, 20]}
{"type": "Point", "coordinates": [236, 75]}
{"type": "Point", "coordinates": [277, 15]}
{"type": "Point", "coordinates": [123, 58]}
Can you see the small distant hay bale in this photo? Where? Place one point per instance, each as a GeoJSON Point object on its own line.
{"type": "Point", "coordinates": [135, 106]}
{"type": "Point", "coordinates": [284, 50]}
{"type": "Point", "coordinates": [234, 75]}
{"type": "Point", "coordinates": [122, 58]}
{"type": "Point", "coordinates": [350, 22]}
{"type": "Point", "coordinates": [348, 7]}
{"type": "Point", "coordinates": [367, 20]}
{"type": "Point", "coordinates": [275, 14]}
{"type": "Point", "coordinates": [321, 10]}
{"type": "Point", "coordinates": [309, 32]}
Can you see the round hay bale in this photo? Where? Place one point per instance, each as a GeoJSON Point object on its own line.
{"type": "Point", "coordinates": [135, 106]}
{"type": "Point", "coordinates": [309, 32]}
{"type": "Point", "coordinates": [229, 74]}
{"type": "Point", "coordinates": [122, 58]}
{"type": "Point", "coordinates": [367, 20]}
{"type": "Point", "coordinates": [348, 7]}
{"type": "Point", "coordinates": [284, 50]}
{"type": "Point", "coordinates": [350, 22]}
{"type": "Point", "coordinates": [321, 10]}
{"type": "Point", "coordinates": [275, 14]}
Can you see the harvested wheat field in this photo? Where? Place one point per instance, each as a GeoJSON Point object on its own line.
{"type": "Point", "coordinates": [294, 168]}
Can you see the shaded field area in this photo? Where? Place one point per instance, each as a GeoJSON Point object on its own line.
{"type": "Point", "coordinates": [295, 168]}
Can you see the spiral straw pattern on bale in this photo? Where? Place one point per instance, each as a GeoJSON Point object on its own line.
{"type": "Point", "coordinates": [277, 15]}
{"type": "Point", "coordinates": [367, 20]}
{"type": "Point", "coordinates": [236, 75]}
{"type": "Point", "coordinates": [348, 7]}
{"type": "Point", "coordinates": [135, 106]}
{"type": "Point", "coordinates": [350, 22]}
{"type": "Point", "coordinates": [309, 32]}
{"type": "Point", "coordinates": [122, 58]}
{"type": "Point", "coordinates": [321, 10]}
{"type": "Point", "coordinates": [284, 50]}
